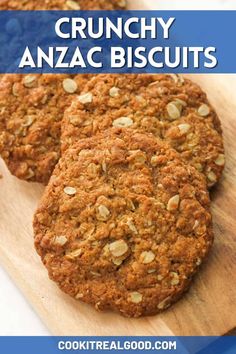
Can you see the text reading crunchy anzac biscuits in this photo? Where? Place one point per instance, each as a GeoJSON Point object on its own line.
{"type": "Point", "coordinates": [168, 106]}
{"type": "Point", "coordinates": [124, 224]}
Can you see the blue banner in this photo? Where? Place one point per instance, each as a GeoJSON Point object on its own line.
{"type": "Point", "coordinates": [177, 345]}
{"type": "Point", "coordinates": [117, 41]}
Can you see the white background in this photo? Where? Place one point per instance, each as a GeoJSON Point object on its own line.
{"type": "Point", "coordinates": [16, 315]}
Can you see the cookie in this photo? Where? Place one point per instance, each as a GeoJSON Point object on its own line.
{"type": "Point", "coordinates": [170, 107]}
{"type": "Point", "coordinates": [124, 224]}
{"type": "Point", "coordinates": [31, 110]}
{"type": "Point", "coordinates": [62, 4]}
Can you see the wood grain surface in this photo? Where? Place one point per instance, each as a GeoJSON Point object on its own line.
{"type": "Point", "coordinates": [208, 308]}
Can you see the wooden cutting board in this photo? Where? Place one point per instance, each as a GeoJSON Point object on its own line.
{"type": "Point", "coordinates": [208, 308]}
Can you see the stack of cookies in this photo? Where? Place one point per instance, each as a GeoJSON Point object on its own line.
{"type": "Point", "coordinates": [125, 222]}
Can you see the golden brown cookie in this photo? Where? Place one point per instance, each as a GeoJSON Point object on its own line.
{"type": "Point", "coordinates": [168, 106]}
{"type": "Point", "coordinates": [62, 4]}
{"type": "Point", "coordinates": [124, 224]}
{"type": "Point", "coordinates": [31, 110]}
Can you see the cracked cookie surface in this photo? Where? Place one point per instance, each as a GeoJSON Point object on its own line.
{"type": "Point", "coordinates": [62, 4]}
{"type": "Point", "coordinates": [124, 224]}
{"type": "Point", "coordinates": [31, 110]}
{"type": "Point", "coordinates": [168, 106]}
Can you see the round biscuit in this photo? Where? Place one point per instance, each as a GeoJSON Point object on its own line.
{"type": "Point", "coordinates": [168, 106]}
{"type": "Point", "coordinates": [31, 110]}
{"type": "Point", "coordinates": [124, 224]}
